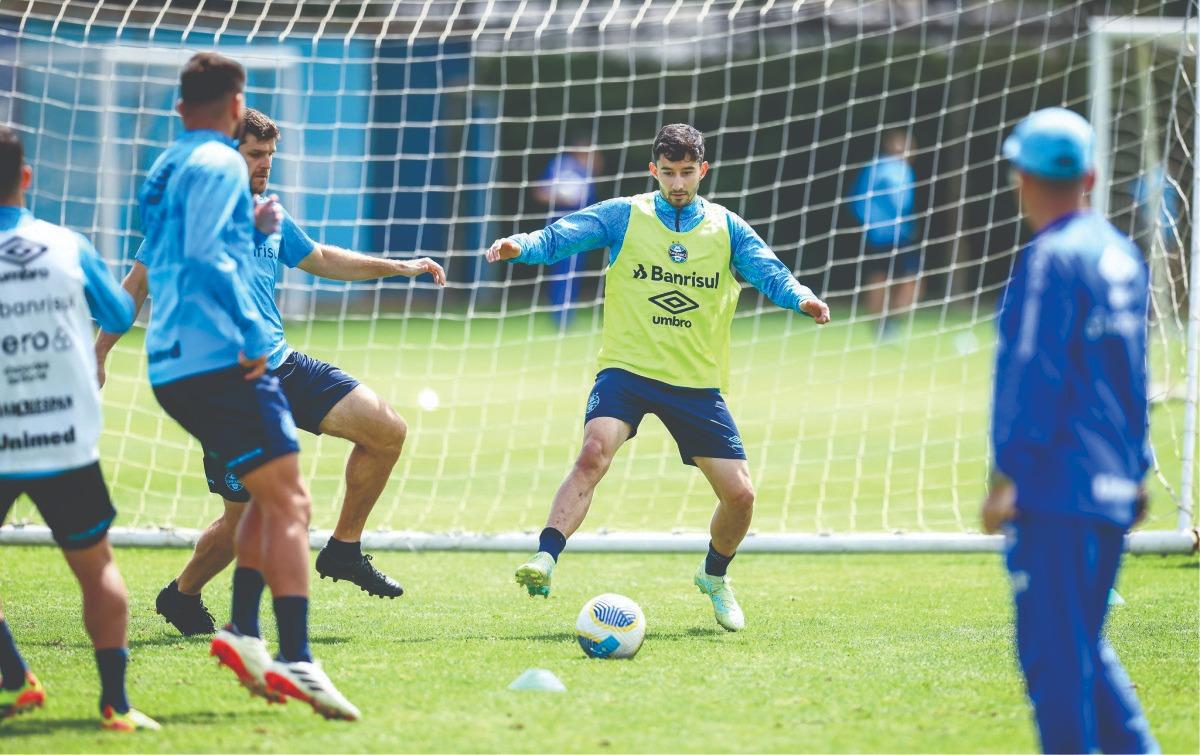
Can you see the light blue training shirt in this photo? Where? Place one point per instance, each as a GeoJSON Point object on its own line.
{"type": "Point", "coordinates": [197, 217]}
{"type": "Point", "coordinates": [289, 245]}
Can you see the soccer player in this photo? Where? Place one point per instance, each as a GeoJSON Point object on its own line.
{"type": "Point", "coordinates": [670, 297]}
{"type": "Point", "coordinates": [882, 200]}
{"type": "Point", "coordinates": [207, 348]}
{"type": "Point", "coordinates": [49, 425]}
{"type": "Point", "coordinates": [1069, 430]}
{"type": "Point", "coordinates": [323, 399]}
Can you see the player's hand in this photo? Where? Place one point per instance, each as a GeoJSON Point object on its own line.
{"type": "Point", "coordinates": [268, 215]}
{"type": "Point", "coordinates": [255, 368]}
{"type": "Point", "coordinates": [999, 506]}
{"type": "Point", "coordinates": [101, 375]}
{"type": "Point", "coordinates": [413, 268]}
{"type": "Point", "coordinates": [817, 310]}
{"type": "Point", "coordinates": [502, 249]}
{"type": "Point", "coordinates": [1141, 505]}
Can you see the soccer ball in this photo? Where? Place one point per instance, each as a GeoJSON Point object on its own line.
{"type": "Point", "coordinates": [610, 626]}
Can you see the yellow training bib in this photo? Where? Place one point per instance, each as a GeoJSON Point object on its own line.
{"type": "Point", "coordinates": [669, 300]}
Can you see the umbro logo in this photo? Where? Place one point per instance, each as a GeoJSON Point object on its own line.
{"type": "Point", "coordinates": [20, 251]}
{"type": "Point", "coordinates": [675, 302]}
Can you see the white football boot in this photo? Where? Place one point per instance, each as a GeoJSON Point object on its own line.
{"type": "Point", "coordinates": [308, 682]}
{"type": "Point", "coordinates": [247, 657]}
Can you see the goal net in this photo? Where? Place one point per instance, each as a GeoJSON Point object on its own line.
{"type": "Point", "coordinates": [431, 128]}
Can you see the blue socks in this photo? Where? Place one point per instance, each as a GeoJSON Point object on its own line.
{"type": "Point", "coordinates": [291, 614]}
{"type": "Point", "coordinates": [552, 541]}
{"type": "Point", "coordinates": [248, 587]}
{"type": "Point", "coordinates": [12, 665]}
{"type": "Point", "coordinates": [111, 662]}
{"type": "Point", "coordinates": [715, 565]}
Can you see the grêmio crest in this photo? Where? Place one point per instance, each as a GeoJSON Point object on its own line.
{"type": "Point", "coordinates": [677, 252]}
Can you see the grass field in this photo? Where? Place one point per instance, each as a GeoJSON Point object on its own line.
{"type": "Point", "coordinates": [843, 653]}
{"type": "Point", "coordinates": [844, 434]}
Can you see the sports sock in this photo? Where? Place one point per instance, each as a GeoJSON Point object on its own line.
{"type": "Point", "coordinates": [343, 551]}
{"type": "Point", "coordinates": [174, 588]}
{"type": "Point", "coordinates": [552, 541]}
{"type": "Point", "coordinates": [247, 596]}
{"type": "Point", "coordinates": [111, 662]}
{"type": "Point", "coordinates": [12, 665]}
{"type": "Point", "coordinates": [716, 564]}
{"type": "Point", "coordinates": [291, 614]}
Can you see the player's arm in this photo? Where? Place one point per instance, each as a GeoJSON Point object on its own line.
{"type": "Point", "coordinates": [335, 263]}
{"type": "Point", "coordinates": [600, 225]}
{"type": "Point", "coordinates": [112, 307]}
{"type": "Point", "coordinates": [755, 262]}
{"type": "Point", "coordinates": [1026, 402]}
{"type": "Point", "coordinates": [213, 196]}
{"type": "Point", "coordinates": [297, 249]}
{"type": "Point", "coordinates": [135, 285]}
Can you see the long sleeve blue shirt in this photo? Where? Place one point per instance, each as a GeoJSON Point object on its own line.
{"type": "Point", "coordinates": [110, 305]}
{"type": "Point", "coordinates": [289, 246]}
{"type": "Point", "coordinates": [197, 220]}
{"type": "Point", "coordinates": [1069, 415]}
{"type": "Point", "coordinates": [605, 225]}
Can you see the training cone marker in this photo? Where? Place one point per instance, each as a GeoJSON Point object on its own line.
{"type": "Point", "coordinates": [538, 679]}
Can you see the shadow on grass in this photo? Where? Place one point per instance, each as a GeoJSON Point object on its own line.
{"type": "Point", "coordinates": [33, 725]}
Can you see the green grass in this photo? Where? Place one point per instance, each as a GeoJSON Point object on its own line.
{"type": "Point", "coordinates": [844, 435]}
{"type": "Point", "coordinates": [843, 653]}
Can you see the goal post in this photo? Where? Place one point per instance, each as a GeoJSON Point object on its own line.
{"type": "Point", "coordinates": [431, 128]}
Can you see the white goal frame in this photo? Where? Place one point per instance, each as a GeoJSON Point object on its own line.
{"type": "Point", "coordinates": [1105, 33]}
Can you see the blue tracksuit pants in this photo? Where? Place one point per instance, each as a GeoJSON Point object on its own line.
{"type": "Point", "coordinates": [1062, 568]}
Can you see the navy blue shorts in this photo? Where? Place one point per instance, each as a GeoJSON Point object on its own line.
{"type": "Point", "coordinates": [312, 388]}
{"type": "Point", "coordinates": [74, 504]}
{"type": "Point", "coordinates": [241, 424]}
{"type": "Point", "coordinates": [697, 418]}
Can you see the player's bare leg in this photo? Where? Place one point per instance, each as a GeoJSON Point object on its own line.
{"type": "Point", "coordinates": [378, 435]}
{"type": "Point", "coordinates": [602, 437]}
{"type": "Point", "coordinates": [272, 540]}
{"type": "Point", "coordinates": [274, 535]}
{"type": "Point", "coordinates": [20, 690]}
{"type": "Point", "coordinates": [876, 293]}
{"type": "Point", "coordinates": [214, 550]}
{"type": "Point", "coordinates": [106, 618]}
{"type": "Point", "coordinates": [180, 602]}
{"type": "Point", "coordinates": [105, 601]}
{"type": "Point", "coordinates": [730, 480]}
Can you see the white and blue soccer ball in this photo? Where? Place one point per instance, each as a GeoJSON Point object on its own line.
{"type": "Point", "coordinates": [610, 626]}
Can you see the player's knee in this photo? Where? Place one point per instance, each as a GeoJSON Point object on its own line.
{"type": "Point", "coordinates": [593, 458]}
{"type": "Point", "coordinates": [388, 436]}
{"type": "Point", "coordinates": [395, 434]}
{"type": "Point", "coordinates": [741, 498]}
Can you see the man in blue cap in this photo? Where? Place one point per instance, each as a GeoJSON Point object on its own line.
{"type": "Point", "coordinates": [1069, 433]}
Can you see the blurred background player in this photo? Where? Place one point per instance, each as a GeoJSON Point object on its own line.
{"type": "Point", "coordinates": [566, 186]}
{"type": "Point", "coordinates": [207, 347]}
{"type": "Point", "coordinates": [322, 398]}
{"type": "Point", "coordinates": [670, 297]}
{"type": "Point", "coordinates": [50, 423]}
{"type": "Point", "coordinates": [882, 201]}
{"type": "Point", "coordinates": [1069, 430]}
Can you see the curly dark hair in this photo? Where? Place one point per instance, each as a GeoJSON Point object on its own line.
{"type": "Point", "coordinates": [678, 141]}
{"type": "Point", "coordinates": [258, 123]}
